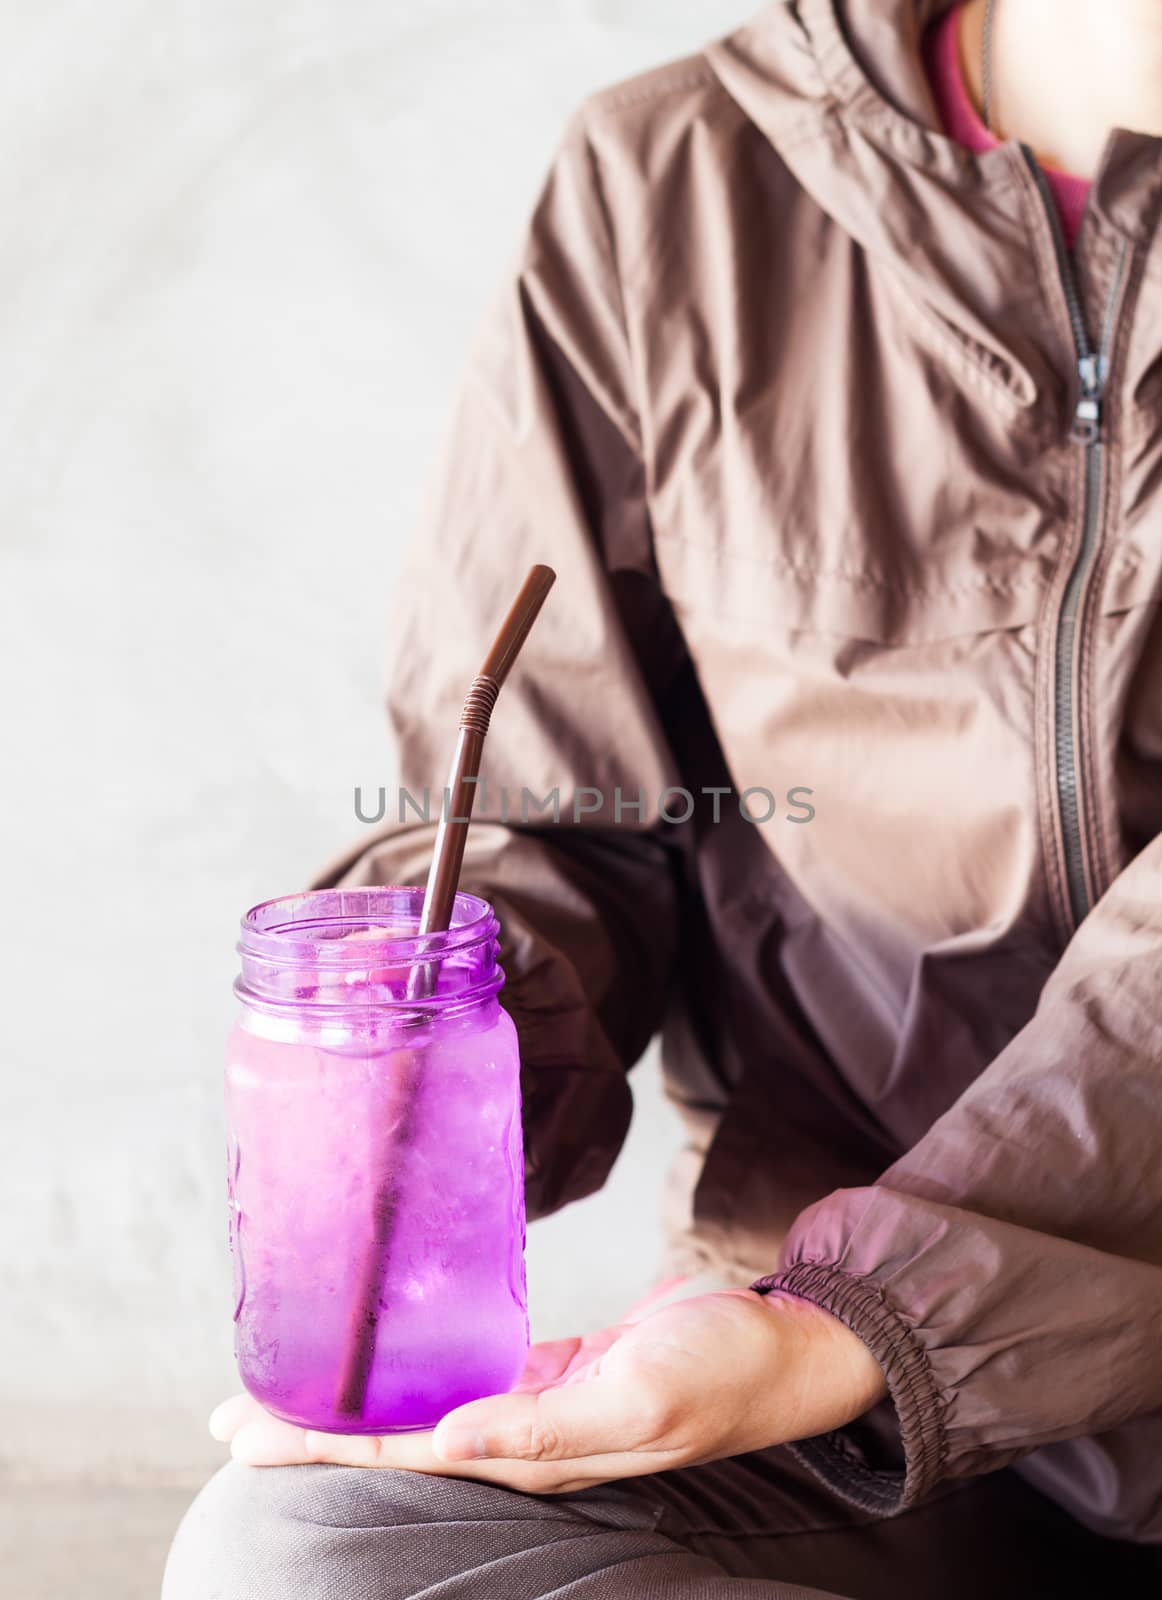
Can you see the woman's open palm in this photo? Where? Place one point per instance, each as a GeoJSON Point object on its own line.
{"type": "Point", "coordinates": [709, 1377]}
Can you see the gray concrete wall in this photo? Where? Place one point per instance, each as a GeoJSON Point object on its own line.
{"type": "Point", "coordinates": [244, 244]}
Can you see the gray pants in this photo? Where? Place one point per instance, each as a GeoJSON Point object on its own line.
{"type": "Point", "coordinates": [754, 1528]}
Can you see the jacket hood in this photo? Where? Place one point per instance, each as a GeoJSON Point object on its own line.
{"type": "Point", "coordinates": [839, 89]}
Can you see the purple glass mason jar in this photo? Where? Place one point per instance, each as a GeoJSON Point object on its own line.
{"type": "Point", "coordinates": [374, 1163]}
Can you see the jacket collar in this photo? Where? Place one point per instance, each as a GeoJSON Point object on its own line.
{"type": "Point", "coordinates": [839, 89]}
{"type": "Point", "coordinates": [870, 60]}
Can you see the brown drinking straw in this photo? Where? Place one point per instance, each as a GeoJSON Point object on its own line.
{"type": "Point", "coordinates": [439, 899]}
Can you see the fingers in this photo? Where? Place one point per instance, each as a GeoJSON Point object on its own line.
{"type": "Point", "coordinates": [226, 1419]}
{"type": "Point", "coordinates": [259, 1440]}
{"type": "Point", "coordinates": [265, 1441]}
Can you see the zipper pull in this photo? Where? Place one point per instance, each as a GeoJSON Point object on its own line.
{"type": "Point", "coordinates": [1086, 427]}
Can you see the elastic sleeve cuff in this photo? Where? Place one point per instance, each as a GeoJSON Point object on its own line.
{"type": "Point", "coordinates": [862, 1306]}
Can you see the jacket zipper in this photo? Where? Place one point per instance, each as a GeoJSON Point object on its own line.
{"type": "Point", "coordinates": [1086, 432]}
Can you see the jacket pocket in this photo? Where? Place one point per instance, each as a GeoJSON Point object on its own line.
{"type": "Point", "coordinates": [760, 589]}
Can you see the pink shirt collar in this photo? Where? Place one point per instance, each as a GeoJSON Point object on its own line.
{"type": "Point", "coordinates": [961, 120]}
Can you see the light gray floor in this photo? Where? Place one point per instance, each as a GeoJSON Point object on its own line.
{"type": "Point", "coordinates": [61, 1540]}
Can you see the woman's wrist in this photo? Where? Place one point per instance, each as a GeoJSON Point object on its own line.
{"type": "Point", "coordinates": [828, 1375]}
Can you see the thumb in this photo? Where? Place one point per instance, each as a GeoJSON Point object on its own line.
{"type": "Point", "coordinates": [565, 1424]}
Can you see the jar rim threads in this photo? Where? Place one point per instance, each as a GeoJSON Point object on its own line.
{"type": "Point", "coordinates": [353, 948]}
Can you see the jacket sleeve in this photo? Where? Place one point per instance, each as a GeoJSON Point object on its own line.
{"type": "Point", "coordinates": [543, 465]}
{"type": "Point", "coordinates": [1007, 1272]}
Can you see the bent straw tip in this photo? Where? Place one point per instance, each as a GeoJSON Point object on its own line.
{"type": "Point", "coordinates": [515, 628]}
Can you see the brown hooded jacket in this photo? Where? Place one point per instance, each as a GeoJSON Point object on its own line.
{"type": "Point", "coordinates": [853, 482]}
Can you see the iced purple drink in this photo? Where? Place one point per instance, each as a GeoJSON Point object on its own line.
{"type": "Point", "coordinates": [375, 1163]}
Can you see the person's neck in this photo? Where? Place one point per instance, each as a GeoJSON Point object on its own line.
{"type": "Point", "coordinates": [1065, 72]}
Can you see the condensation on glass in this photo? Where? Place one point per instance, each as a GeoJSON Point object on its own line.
{"type": "Point", "coordinates": [374, 1162]}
